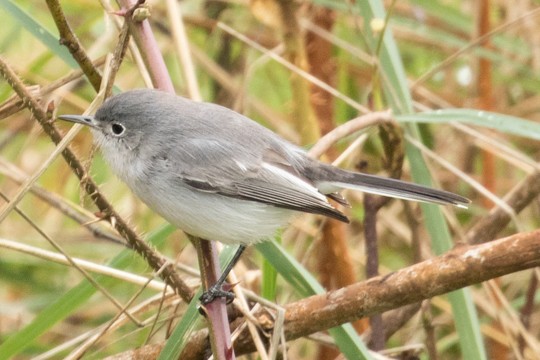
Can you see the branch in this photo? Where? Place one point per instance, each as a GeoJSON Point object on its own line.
{"type": "Point", "coordinates": [70, 40]}
{"type": "Point", "coordinates": [168, 274]}
{"type": "Point", "coordinates": [348, 128]}
{"type": "Point", "coordinates": [146, 42]}
{"type": "Point", "coordinates": [497, 219]}
{"type": "Point", "coordinates": [216, 311]}
{"type": "Point", "coordinates": [14, 104]}
{"type": "Point", "coordinates": [463, 266]}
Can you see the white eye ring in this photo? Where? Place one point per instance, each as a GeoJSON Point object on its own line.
{"type": "Point", "coordinates": [118, 129]}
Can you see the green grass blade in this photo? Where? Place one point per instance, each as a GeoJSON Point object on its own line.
{"type": "Point", "coordinates": [446, 14]}
{"type": "Point", "coordinates": [51, 315]}
{"type": "Point", "coordinates": [269, 281]}
{"type": "Point", "coordinates": [65, 305]}
{"type": "Point", "coordinates": [399, 98]}
{"type": "Point", "coordinates": [175, 344]}
{"type": "Point", "coordinates": [39, 32]}
{"type": "Point", "coordinates": [289, 268]}
{"type": "Point", "coordinates": [294, 273]}
{"type": "Point", "coordinates": [470, 336]}
{"type": "Point", "coordinates": [269, 277]}
{"type": "Point", "coordinates": [465, 315]}
{"type": "Point", "coordinates": [395, 86]}
{"type": "Point", "coordinates": [180, 336]}
{"type": "Point", "coordinates": [503, 123]}
{"type": "Point", "coordinates": [345, 336]}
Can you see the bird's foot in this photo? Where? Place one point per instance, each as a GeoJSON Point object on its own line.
{"type": "Point", "coordinates": [214, 293]}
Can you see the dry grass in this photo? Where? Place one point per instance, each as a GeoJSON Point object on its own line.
{"type": "Point", "coordinates": [248, 57]}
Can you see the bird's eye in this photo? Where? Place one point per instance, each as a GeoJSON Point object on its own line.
{"type": "Point", "coordinates": [118, 129]}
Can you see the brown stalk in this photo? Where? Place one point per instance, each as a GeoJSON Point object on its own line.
{"type": "Point", "coordinates": [429, 330]}
{"type": "Point", "coordinates": [206, 250]}
{"type": "Point", "coordinates": [70, 40]}
{"type": "Point", "coordinates": [486, 102]}
{"type": "Point", "coordinates": [518, 21]}
{"type": "Point", "coordinates": [497, 219]}
{"type": "Point", "coordinates": [393, 163]}
{"type": "Point", "coordinates": [62, 205]}
{"type": "Point", "coordinates": [216, 311]}
{"type": "Point", "coordinates": [303, 117]}
{"type": "Point", "coordinates": [485, 93]}
{"type": "Point", "coordinates": [146, 42]}
{"type": "Point", "coordinates": [14, 104]}
{"type": "Point", "coordinates": [335, 266]}
{"type": "Point", "coordinates": [463, 266]}
{"type": "Point", "coordinates": [527, 310]}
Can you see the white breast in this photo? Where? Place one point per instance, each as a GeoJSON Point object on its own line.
{"type": "Point", "coordinates": [215, 217]}
{"type": "Point", "coordinates": [203, 214]}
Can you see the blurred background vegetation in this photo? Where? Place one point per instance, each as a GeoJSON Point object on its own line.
{"type": "Point", "coordinates": [464, 58]}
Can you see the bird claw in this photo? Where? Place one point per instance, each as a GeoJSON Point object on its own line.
{"type": "Point", "coordinates": [215, 292]}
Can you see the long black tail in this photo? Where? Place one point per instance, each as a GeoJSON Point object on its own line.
{"type": "Point", "coordinates": [328, 177]}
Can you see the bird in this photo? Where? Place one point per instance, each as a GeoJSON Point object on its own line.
{"type": "Point", "coordinates": [218, 175]}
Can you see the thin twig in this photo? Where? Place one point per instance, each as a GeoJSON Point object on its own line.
{"type": "Point", "coordinates": [463, 266]}
{"type": "Point", "coordinates": [135, 53]}
{"type": "Point", "coordinates": [156, 261]}
{"type": "Point", "coordinates": [69, 209]}
{"type": "Point", "coordinates": [70, 260]}
{"type": "Point", "coordinates": [354, 104]}
{"type": "Point", "coordinates": [392, 140]}
{"type": "Point", "coordinates": [499, 145]}
{"type": "Point", "coordinates": [498, 218]}
{"type": "Point", "coordinates": [251, 322]}
{"type": "Point", "coordinates": [70, 40]}
{"type": "Point", "coordinates": [81, 350]}
{"type": "Point", "coordinates": [461, 174]}
{"type": "Point", "coordinates": [183, 49]}
{"type": "Point", "coordinates": [144, 37]}
{"type": "Point", "coordinates": [118, 57]}
{"type": "Point", "coordinates": [527, 308]}
{"type": "Point", "coordinates": [138, 309]}
{"type": "Point", "coordinates": [15, 104]}
{"type": "Point", "coordinates": [83, 264]}
{"type": "Point", "coordinates": [471, 45]}
{"type": "Point", "coordinates": [348, 128]}
{"type": "Point", "coordinates": [372, 205]}
{"type": "Point", "coordinates": [216, 311]}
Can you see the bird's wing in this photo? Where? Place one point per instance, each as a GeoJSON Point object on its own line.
{"type": "Point", "coordinates": [266, 178]}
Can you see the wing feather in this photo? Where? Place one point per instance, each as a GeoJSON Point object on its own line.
{"type": "Point", "coordinates": [274, 186]}
{"type": "Point", "coordinates": [266, 176]}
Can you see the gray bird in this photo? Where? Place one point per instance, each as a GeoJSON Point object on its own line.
{"type": "Point", "coordinates": [219, 175]}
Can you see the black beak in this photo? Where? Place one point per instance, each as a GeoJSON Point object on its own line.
{"type": "Point", "coordinates": [87, 120]}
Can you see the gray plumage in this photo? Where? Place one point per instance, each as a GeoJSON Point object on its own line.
{"type": "Point", "coordinates": [217, 174]}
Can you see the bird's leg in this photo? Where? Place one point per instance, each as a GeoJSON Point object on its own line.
{"type": "Point", "coordinates": [216, 291]}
